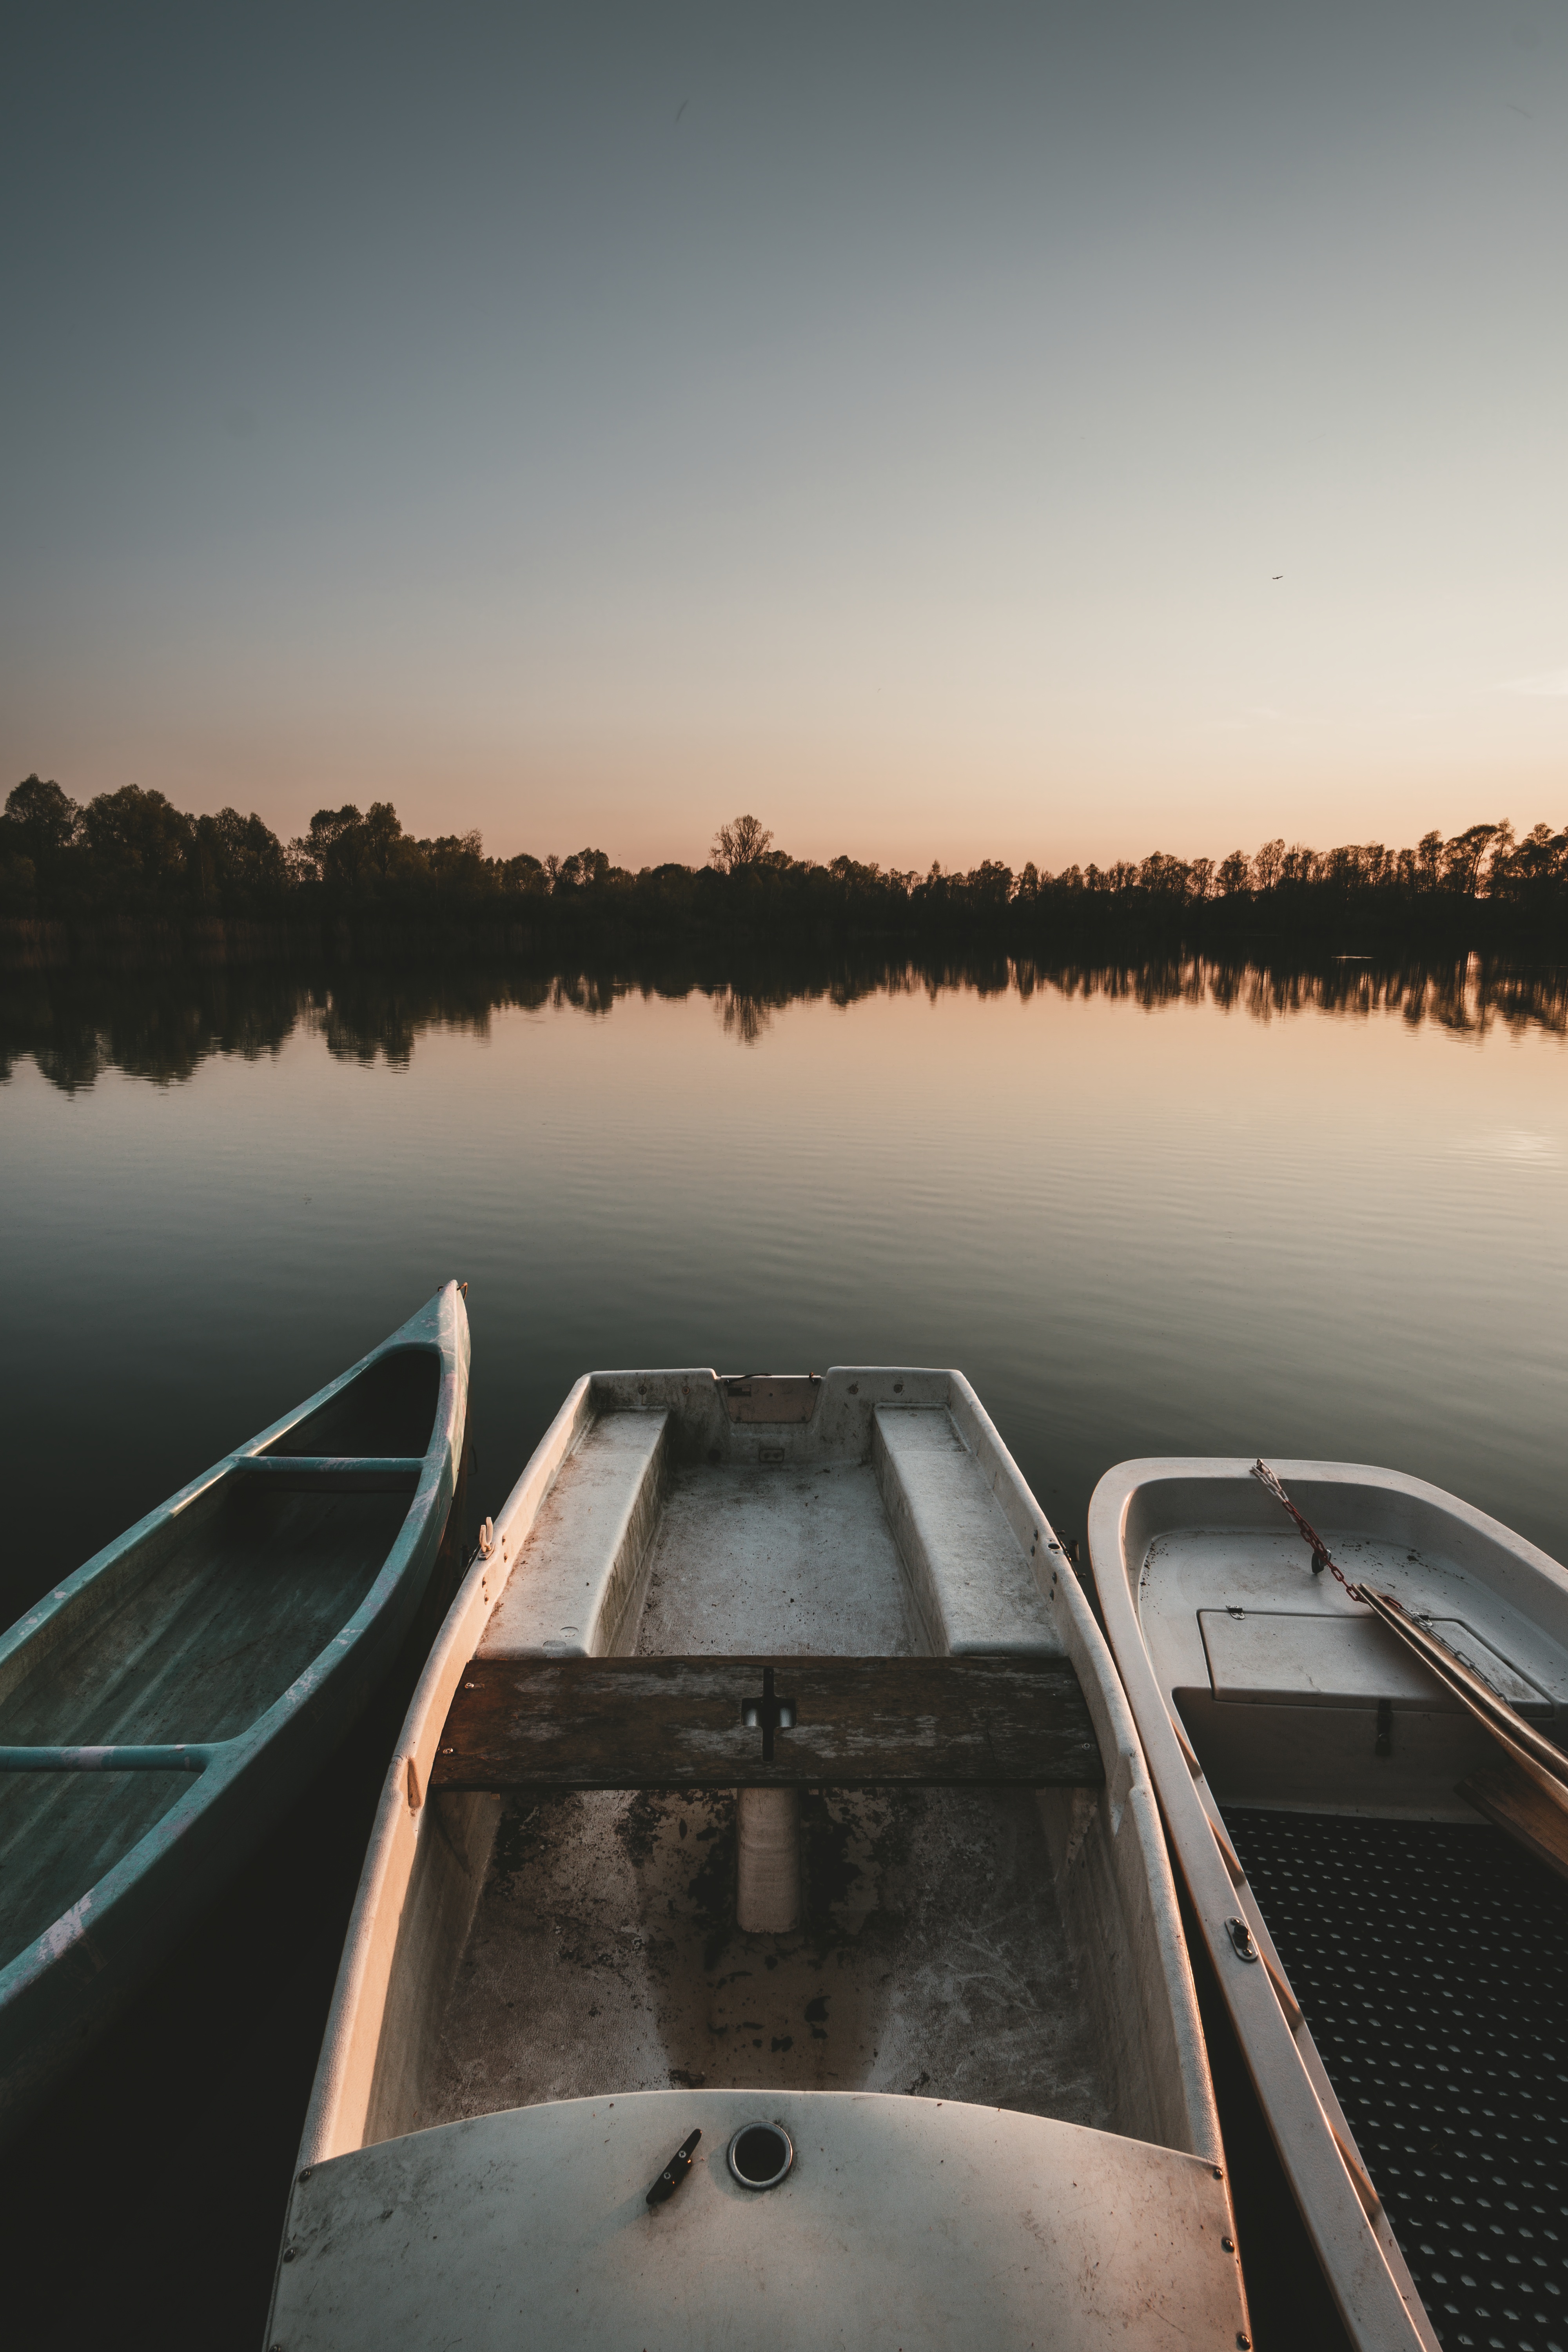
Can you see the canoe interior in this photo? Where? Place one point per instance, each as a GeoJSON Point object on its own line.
{"type": "Point", "coordinates": [191, 1636]}
{"type": "Point", "coordinates": [60, 1831]}
{"type": "Point", "coordinates": [200, 1638]}
{"type": "Point", "coordinates": [389, 1409]}
{"type": "Point", "coordinates": [210, 1625]}
{"type": "Point", "coordinates": [973, 1944]}
{"type": "Point", "coordinates": [1426, 1950]}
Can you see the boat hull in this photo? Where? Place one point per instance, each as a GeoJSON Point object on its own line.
{"type": "Point", "coordinates": [1267, 1696]}
{"type": "Point", "coordinates": [522, 1969]}
{"type": "Point", "coordinates": [212, 1800]}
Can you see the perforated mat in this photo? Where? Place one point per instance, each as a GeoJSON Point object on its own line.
{"type": "Point", "coordinates": [1431, 1960]}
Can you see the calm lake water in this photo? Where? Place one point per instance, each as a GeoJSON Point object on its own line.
{"type": "Point", "coordinates": [1185, 1209]}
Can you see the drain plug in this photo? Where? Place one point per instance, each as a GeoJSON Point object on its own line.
{"type": "Point", "coordinates": [761, 2154]}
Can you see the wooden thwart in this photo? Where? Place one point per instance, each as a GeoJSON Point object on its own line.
{"type": "Point", "coordinates": [699, 1723]}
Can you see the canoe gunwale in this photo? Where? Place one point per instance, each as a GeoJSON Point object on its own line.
{"type": "Point", "coordinates": [90, 1941]}
{"type": "Point", "coordinates": [1356, 2247]}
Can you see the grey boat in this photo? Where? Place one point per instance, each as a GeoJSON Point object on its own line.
{"type": "Point", "coordinates": [1392, 1961]}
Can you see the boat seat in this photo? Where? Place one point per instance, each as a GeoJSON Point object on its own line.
{"type": "Point", "coordinates": [813, 1722]}
{"type": "Point", "coordinates": [973, 1583]}
{"type": "Point", "coordinates": [905, 2221]}
{"type": "Point", "coordinates": [578, 1572]}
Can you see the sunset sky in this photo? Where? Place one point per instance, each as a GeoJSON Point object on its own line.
{"type": "Point", "coordinates": [585, 423]}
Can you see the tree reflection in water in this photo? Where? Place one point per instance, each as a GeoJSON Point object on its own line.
{"type": "Point", "coordinates": [161, 1025]}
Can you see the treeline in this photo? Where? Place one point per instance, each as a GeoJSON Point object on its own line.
{"type": "Point", "coordinates": [356, 878]}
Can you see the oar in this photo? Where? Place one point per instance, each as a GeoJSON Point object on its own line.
{"type": "Point", "coordinates": [1525, 1789]}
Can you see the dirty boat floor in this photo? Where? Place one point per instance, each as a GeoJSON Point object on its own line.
{"type": "Point", "coordinates": [603, 1957]}
{"type": "Point", "coordinates": [757, 1559]}
{"type": "Point", "coordinates": [1431, 1960]}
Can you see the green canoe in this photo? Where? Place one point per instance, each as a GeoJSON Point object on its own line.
{"type": "Point", "coordinates": [162, 1708]}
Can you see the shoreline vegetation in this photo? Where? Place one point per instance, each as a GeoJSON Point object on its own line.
{"type": "Point", "coordinates": [162, 1024]}
{"type": "Point", "coordinates": [131, 878]}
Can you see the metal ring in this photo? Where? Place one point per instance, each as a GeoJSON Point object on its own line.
{"type": "Point", "coordinates": [775, 2132]}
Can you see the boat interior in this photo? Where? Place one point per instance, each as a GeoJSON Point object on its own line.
{"type": "Point", "coordinates": [388, 1409]}
{"type": "Point", "coordinates": [191, 1627]}
{"type": "Point", "coordinates": [1427, 1950]}
{"type": "Point", "coordinates": [989, 1943]}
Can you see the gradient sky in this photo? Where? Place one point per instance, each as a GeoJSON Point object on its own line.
{"type": "Point", "coordinates": [587, 422]}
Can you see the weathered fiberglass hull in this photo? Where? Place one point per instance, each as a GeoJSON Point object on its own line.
{"type": "Point", "coordinates": [162, 1707]}
{"type": "Point", "coordinates": [1395, 1968]}
{"type": "Point", "coordinates": [769, 1770]}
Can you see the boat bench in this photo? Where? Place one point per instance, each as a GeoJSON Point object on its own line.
{"type": "Point", "coordinates": [751, 1723]}
{"type": "Point", "coordinates": [541, 1704]}
{"type": "Point", "coordinates": [973, 1583]}
{"type": "Point", "coordinates": [575, 1581]}
{"type": "Point", "coordinates": [577, 1573]}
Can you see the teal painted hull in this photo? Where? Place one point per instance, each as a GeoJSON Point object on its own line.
{"type": "Point", "coordinates": [160, 1709]}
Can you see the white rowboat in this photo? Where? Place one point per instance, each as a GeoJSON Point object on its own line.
{"type": "Point", "coordinates": [770, 1782]}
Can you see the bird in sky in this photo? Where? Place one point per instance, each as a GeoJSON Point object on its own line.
{"type": "Point", "coordinates": [1278, 575]}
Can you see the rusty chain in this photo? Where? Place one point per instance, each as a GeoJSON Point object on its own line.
{"type": "Point", "coordinates": [1320, 1557]}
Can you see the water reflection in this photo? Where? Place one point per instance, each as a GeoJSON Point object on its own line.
{"type": "Point", "coordinates": [162, 1025]}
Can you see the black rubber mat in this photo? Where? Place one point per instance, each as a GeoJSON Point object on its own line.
{"type": "Point", "coordinates": [1431, 1960]}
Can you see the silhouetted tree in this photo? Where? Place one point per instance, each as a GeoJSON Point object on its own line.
{"type": "Point", "coordinates": [237, 862]}
{"type": "Point", "coordinates": [1462, 856]}
{"type": "Point", "coordinates": [40, 821]}
{"type": "Point", "coordinates": [1267, 863]}
{"type": "Point", "coordinates": [331, 850]}
{"type": "Point", "coordinates": [586, 866]}
{"type": "Point", "coordinates": [138, 841]}
{"type": "Point", "coordinates": [744, 842]}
